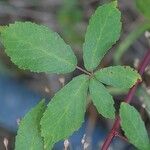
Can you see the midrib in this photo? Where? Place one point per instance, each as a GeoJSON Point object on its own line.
{"type": "Point", "coordinates": [100, 35]}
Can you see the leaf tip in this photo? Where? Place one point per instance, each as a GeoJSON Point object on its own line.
{"type": "Point", "coordinates": [123, 104]}
{"type": "Point", "coordinates": [115, 3]}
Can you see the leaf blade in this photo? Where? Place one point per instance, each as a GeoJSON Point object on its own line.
{"type": "Point", "coordinates": [134, 127]}
{"type": "Point", "coordinates": [118, 76]}
{"type": "Point", "coordinates": [99, 36]}
{"type": "Point", "coordinates": [102, 100]}
{"type": "Point", "coordinates": [65, 113]}
{"type": "Point", "coordinates": [28, 137]}
{"type": "Point", "coordinates": [37, 48]}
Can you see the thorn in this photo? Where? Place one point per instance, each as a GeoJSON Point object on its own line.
{"type": "Point", "coordinates": [5, 141]}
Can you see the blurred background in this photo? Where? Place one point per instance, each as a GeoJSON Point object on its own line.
{"type": "Point", "coordinates": [21, 90]}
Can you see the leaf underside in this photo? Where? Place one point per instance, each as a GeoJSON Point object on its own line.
{"type": "Point", "coordinates": [29, 136]}
{"type": "Point", "coordinates": [134, 127]}
{"type": "Point", "coordinates": [102, 32]}
{"type": "Point", "coordinates": [65, 112]}
{"type": "Point", "coordinates": [118, 76]}
{"type": "Point", "coordinates": [37, 48]}
{"type": "Point", "coordinates": [102, 100]}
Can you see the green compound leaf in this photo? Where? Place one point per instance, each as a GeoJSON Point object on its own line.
{"type": "Point", "coordinates": [103, 31]}
{"type": "Point", "coordinates": [65, 112]}
{"type": "Point", "coordinates": [144, 7]}
{"type": "Point", "coordinates": [118, 76]}
{"type": "Point", "coordinates": [134, 127]}
{"type": "Point", "coordinates": [37, 48]}
{"type": "Point", "coordinates": [29, 137]}
{"type": "Point", "coordinates": [102, 99]}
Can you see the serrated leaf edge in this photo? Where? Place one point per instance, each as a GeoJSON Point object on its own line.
{"type": "Point", "coordinates": [25, 67]}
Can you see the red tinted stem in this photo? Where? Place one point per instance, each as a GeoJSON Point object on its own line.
{"type": "Point", "coordinates": [143, 64]}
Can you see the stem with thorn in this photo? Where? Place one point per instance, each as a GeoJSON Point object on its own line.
{"type": "Point", "coordinates": [116, 126]}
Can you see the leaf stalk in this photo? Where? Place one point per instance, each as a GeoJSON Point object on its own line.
{"type": "Point", "coordinates": [84, 71]}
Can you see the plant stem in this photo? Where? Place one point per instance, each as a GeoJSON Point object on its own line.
{"type": "Point", "coordinates": [144, 63]}
{"type": "Point", "coordinates": [84, 71]}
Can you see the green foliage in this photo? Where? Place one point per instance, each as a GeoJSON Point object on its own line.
{"type": "Point", "coordinates": [134, 127]}
{"type": "Point", "coordinates": [29, 136]}
{"type": "Point", "coordinates": [37, 48]}
{"type": "Point", "coordinates": [144, 7]}
{"type": "Point", "coordinates": [102, 100]}
{"type": "Point", "coordinates": [118, 76]}
{"type": "Point", "coordinates": [65, 112]}
{"type": "Point", "coordinates": [103, 31]}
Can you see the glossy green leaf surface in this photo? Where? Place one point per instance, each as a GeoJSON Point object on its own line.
{"type": "Point", "coordinates": [118, 76]}
{"type": "Point", "coordinates": [102, 32]}
{"type": "Point", "coordinates": [102, 100]}
{"type": "Point", "coordinates": [134, 127]}
{"type": "Point", "coordinates": [29, 136]}
{"type": "Point", "coordinates": [65, 112]}
{"type": "Point", "coordinates": [37, 48]}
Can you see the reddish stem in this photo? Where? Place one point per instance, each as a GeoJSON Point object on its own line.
{"type": "Point", "coordinates": [144, 63]}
